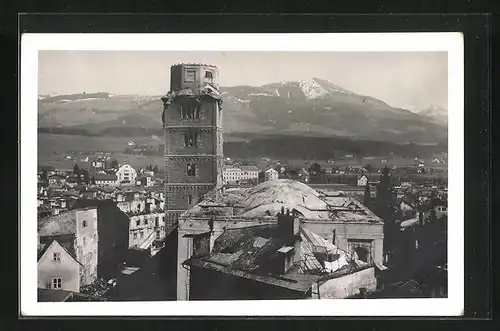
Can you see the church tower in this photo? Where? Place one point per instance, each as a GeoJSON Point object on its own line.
{"type": "Point", "coordinates": [192, 121]}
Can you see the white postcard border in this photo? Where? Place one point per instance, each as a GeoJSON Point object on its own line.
{"type": "Point", "coordinates": [387, 42]}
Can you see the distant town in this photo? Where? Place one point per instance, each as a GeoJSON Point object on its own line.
{"type": "Point", "coordinates": [199, 225]}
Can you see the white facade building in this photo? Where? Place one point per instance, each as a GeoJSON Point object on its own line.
{"type": "Point", "coordinates": [362, 180]}
{"type": "Point", "coordinates": [126, 175]}
{"type": "Point", "coordinates": [271, 174]}
{"type": "Point", "coordinates": [234, 175]}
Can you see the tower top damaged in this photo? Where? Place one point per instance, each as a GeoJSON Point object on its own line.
{"type": "Point", "coordinates": [195, 81]}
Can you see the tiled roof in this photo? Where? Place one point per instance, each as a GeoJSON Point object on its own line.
{"type": "Point", "coordinates": [249, 168]}
{"type": "Point", "coordinates": [105, 177]}
{"type": "Point", "coordinates": [65, 241]}
{"type": "Point", "coordinates": [61, 224]}
{"type": "Point", "coordinates": [250, 252]}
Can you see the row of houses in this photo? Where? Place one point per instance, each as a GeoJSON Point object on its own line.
{"type": "Point", "coordinates": [125, 175]}
{"type": "Point", "coordinates": [84, 240]}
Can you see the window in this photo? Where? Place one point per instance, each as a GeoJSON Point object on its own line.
{"type": "Point", "coordinates": [138, 222]}
{"type": "Point", "coordinates": [84, 224]}
{"type": "Point", "coordinates": [190, 75]}
{"type": "Point", "coordinates": [57, 283]}
{"type": "Point", "coordinates": [190, 199]}
{"type": "Point", "coordinates": [190, 109]}
{"type": "Point", "coordinates": [141, 234]}
{"type": "Point", "coordinates": [191, 169]}
{"type": "Point", "coordinates": [157, 221]}
{"type": "Point", "coordinates": [145, 221]}
{"type": "Point", "coordinates": [135, 235]}
{"type": "Point", "coordinates": [158, 234]}
{"type": "Point", "coordinates": [84, 241]}
{"type": "Point", "coordinates": [209, 75]}
{"type": "Point", "coordinates": [56, 256]}
{"type": "Point", "coordinates": [191, 138]}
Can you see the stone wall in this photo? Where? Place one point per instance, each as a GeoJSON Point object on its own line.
{"type": "Point", "coordinates": [87, 244]}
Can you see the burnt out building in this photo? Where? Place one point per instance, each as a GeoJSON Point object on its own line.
{"type": "Point", "coordinates": [192, 121]}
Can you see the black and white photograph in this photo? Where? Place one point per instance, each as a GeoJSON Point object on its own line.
{"type": "Point", "coordinates": [308, 169]}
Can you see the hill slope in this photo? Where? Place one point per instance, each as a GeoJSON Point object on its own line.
{"type": "Point", "coordinates": [312, 107]}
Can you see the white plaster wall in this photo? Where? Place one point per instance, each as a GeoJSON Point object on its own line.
{"type": "Point", "coordinates": [348, 285]}
{"type": "Point", "coordinates": [68, 269]}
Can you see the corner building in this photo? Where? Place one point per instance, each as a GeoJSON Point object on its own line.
{"type": "Point", "coordinates": [192, 120]}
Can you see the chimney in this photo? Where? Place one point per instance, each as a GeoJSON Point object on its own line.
{"type": "Point", "coordinates": [288, 225]}
{"type": "Point", "coordinates": [55, 210]}
{"type": "Point", "coordinates": [288, 230]}
{"type": "Point", "coordinates": [421, 217]}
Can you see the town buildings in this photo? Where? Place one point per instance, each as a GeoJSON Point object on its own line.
{"type": "Point", "coordinates": [192, 120]}
{"type": "Point", "coordinates": [271, 174]}
{"type": "Point", "coordinates": [274, 261]}
{"type": "Point", "coordinates": [106, 180]}
{"type": "Point", "coordinates": [337, 218]}
{"type": "Point", "coordinates": [76, 231]}
{"type": "Point", "coordinates": [147, 230]}
{"type": "Point", "coordinates": [362, 180]}
{"type": "Point", "coordinates": [126, 175]}
{"type": "Point", "coordinates": [58, 268]}
{"type": "Point", "coordinates": [233, 175]}
{"type": "Point", "coordinates": [113, 234]}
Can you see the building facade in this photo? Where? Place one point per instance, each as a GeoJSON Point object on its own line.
{"type": "Point", "coordinates": [192, 120]}
{"type": "Point", "coordinates": [126, 175]}
{"type": "Point", "coordinates": [145, 229]}
{"type": "Point", "coordinates": [271, 174]}
{"type": "Point", "coordinates": [236, 175]}
{"type": "Point", "coordinates": [338, 219]}
{"type": "Point", "coordinates": [362, 180]}
{"type": "Point", "coordinates": [113, 229]}
{"type": "Point", "coordinates": [57, 268]}
{"type": "Point", "coordinates": [76, 230]}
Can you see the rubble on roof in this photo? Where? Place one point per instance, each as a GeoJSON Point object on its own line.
{"type": "Point", "coordinates": [266, 199]}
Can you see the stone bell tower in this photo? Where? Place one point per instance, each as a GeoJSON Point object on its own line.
{"type": "Point", "coordinates": [192, 121]}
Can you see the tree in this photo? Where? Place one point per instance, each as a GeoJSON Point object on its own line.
{"type": "Point", "coordinates": [385, 207]}
{"type": "Point", "coordinates": [262, 176]}
{"type": "Point", "coordinates": [315, 169]}
{"type": "Point", "coordinates": [76, 170]}
{"type": "Point", "coordinates": [44, 176]}
{"type": "Point", "coordinates": [114, 164]}
{"type": "Point", "coordinates": [92, 180]}
{"type": "Point", "coordinates": [369, 168]}
{"type": "Point", "coordinates": [367, 196]}
{"type": "Point", "coordinates": [155, 169]}
{"type": "Point", "coordinates": [86, 178]}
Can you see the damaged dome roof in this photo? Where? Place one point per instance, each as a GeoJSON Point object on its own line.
{"type": "Point", "coordinates": [270, 196]}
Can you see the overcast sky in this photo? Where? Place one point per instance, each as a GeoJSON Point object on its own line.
{"type": "Point", "coordinates": [398, 78]}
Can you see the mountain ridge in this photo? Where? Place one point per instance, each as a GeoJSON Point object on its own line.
{"type": "Point", "coordinates": [309, 107]}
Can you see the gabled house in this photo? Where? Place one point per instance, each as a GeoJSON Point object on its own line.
{"type": "Point", "coordinates": [362, 180]}
{"type": "Point", "coordinates": [58, 267]}
{"type": "Point", "coordinates": [76, 231]}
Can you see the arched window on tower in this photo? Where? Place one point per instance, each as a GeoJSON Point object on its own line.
{"type": "Point", "coordinates": [191, 169]}
{"type": "Point", "coordinates": [190, 109]}
{"type": "Point", "coordinates": [191, 138]}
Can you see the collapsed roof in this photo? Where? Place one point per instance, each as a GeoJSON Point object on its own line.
{"type": "Point", "coordinates": [267, 199]}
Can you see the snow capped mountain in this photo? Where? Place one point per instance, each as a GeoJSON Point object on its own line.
{"type": "Point", "coordinates": [312, 106]}
{"type": "Point", "coordinates": [314, 88]}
